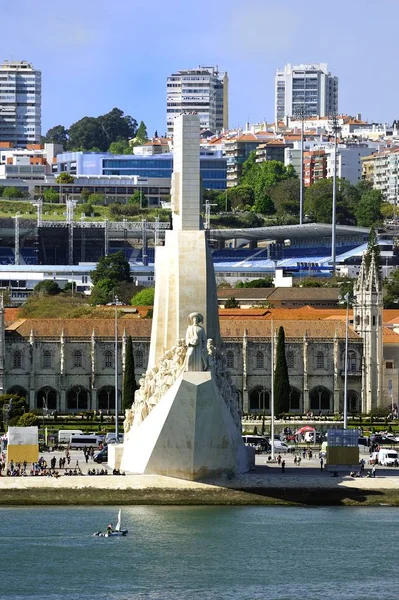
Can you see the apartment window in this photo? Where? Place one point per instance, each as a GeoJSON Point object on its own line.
{"type": "Point", "coordinates": [78, 358]}
{"type": "Point", "coordinates": [108, 359]}
{"type": "Point", "coordinates": [17, 360]}
{"type": "Point", "coordinates": [46, 359]}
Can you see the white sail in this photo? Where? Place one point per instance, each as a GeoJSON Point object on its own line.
{"type": "Point", "coordinates": [118, 525]}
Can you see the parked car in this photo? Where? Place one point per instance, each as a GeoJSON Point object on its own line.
{"type": "Point", "coordinates": [280, 447]}
{"type": "Point", "coordinates": [101, 456]}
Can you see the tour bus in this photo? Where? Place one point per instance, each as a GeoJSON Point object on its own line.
{"type": "Point", "coordinates": [259, 442]}
{"type": "Point", "coordinates": [85, 441]}
{"type": "Point", "coordinates": [64, 435]}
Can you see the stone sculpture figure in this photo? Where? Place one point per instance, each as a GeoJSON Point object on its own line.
{"type": "Point", "coordinates": [196, 344]}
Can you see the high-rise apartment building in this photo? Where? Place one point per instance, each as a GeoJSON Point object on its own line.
{"type": "Point", "coordinates": [20, 103]}
{"type": "Point", "coordinates": [204, 91]}
{"type": "Point", "coordinates": [311, 88]}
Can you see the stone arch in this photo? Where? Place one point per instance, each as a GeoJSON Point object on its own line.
{"type": "Point", "coordinates": [77, 398]}
{"type": "Point", "coordinates": [320, 398]}
{"type": "Point", "coordinates": [259, 399]}
{"type": "Point", "coordinates": [106, 398]}
{"type": "Point", "coordinates": [47, 398]}
{"type": "Point", "coordinates": [18, 390]}
{"type": "Point", "coordinates": [295, 399]}
{"type": "Point", "coordinates": [354, 404]}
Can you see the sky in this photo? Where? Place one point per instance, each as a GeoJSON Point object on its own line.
{"type": "Point", "coordinates": [96, 54]}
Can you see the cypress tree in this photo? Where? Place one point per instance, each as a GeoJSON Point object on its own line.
{"type": "Point", "coordinates": [129, 379]}
{"type": "Point", "coordinates": [281, 380]}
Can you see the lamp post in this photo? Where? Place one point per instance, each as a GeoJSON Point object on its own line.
{"type": "Point", "coordinates": [272, 388]}
{"type": "Point", "coordinates": [300, 113]}
{"type": "Point", "coordinates": [116, 372]}
{"type": "Point", "coordinates": [335, 128]}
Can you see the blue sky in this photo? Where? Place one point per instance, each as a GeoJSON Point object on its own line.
{"type": "Point", "coordinates": [97, 54]}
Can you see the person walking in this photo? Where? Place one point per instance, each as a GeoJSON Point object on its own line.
{"type": "Point", "coordinates": [373, 471]}
{"type": "Point", "coordinates": [295, 459]}
{"type": "Point", "coordinates": [299, 461]}
{"type": "Point", "coordinates": [283, 466]}
{"type": "Point", "coordinates": [321, 463]}
{"type": "Point", "coordinates": [362, 463]}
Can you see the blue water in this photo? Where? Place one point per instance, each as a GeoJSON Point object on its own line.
{"type": "Point", "coordinates": [244, 553]}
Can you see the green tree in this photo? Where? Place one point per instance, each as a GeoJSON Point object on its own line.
{"type": "Point", "coordinates": [65, 177]}
{"type": "Point", "coordinates": [121, 146]}
{"type": "Point", "coordinates": [51, 196]}
{"type": "Point", "coordinates": [144, 298]}
{"type": "Point", "coordinates": [85, 194]}
{"type": "Point", "coordinates": [47, 287]}
{"type": "Point", "coordinates": [368, 209]}
{"type": "Point", "coordinates": [240, 197]}
{"type": "Point", "coordinates": [129, 379]}
{"type": "Point", "coordinates": [387, 210]}
{"type": "Point", "coordinates": [87, 209]}
{"type": "Point", "coordinates": [96, 199]}
{"type": "Point", "coordinates": [57, 135]}
{"type": "Point", "coordinates": [87, 133]}
{"type": "Point", "coordinates": [28, 420]}
{"type": "Point", "coordinates": [318, 201]}
{"type": "Point", "coordinates": [102, 292]}
{"type": "Point", "coordinates": [136, 198]}
{"type": "Point", "coordinates": [264, 282]}
{"type": "Point", "coordinates": [17, 406]}
{"type": "Point", "coordinates": [261, 177]}
{"type": "Point", "coordinates": [391, 297]}
{"type": "Point", "coordinates": [117, 126]}
{"type": "Point", "coordinates": [13, 192]}
{"type": "Point", "coordinates": [285, 196]}
{"type": "Point", "coordinates": [232, 303]}
{"type": "Point", "coordinates": [113, 267]}
{"type": "Point", "coordinates": [281, 379]}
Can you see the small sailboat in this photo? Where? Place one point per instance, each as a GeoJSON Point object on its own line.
{"type": "Point", "coordinates": [118, 531]}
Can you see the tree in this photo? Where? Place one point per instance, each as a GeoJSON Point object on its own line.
{"type": "Point", "coordinates": [135, 198]}
{"type": "Point", "coordinates": [141, 135]}
{"type": "Point", "coordinates": [261, 177]}
{"type": "Point", "coordinates": [264, 282]}
{"type": "Point", "coordinates": [113, 267]}
{"type": "Point", "coordinates": [121, 146]}
{"type": "Point", "coordinates": [129, 379]}
{"type": "Point", "coordinates": [87, 133]}
{"type": "Point", "coordinates": [57, 135]}
{"type": "Point", "coordinates": [144, 298]}
{"type": "Point", "coordinates": [368, 209]}
{"type": "Point", "coordinates": [102, 292]}
{"type": "Point", "coordinates": [65, 177]}
{"type": "Point", "coordinates": [47, 287]}
{"type": "Point", "coordinates": [241, 197]}
{"type": "Point", "coordinates": [281, 379]}
{"type": "Point", "coordinates": [13, 192]}
{"type": "Point", "coordinates": [51, 196]}
{"type": "Point", "coordinates": [96, 199]}
{"type": "Point", "coordinates": [318, 201]}
{"type": "Point", "coordinates": [28, 420]}
{"type": "Point", "coordinates": [285, 196]}
{"type": "Point", "coordinates": [17, 406]}
{"type": "Point", "coordinates": [117, 126]}
{"type": "Point", "coordinates": [391, 298]}
{"type": "Point", "coordinates": [85, 194]}
{"type": "Point", "coordinates": [232, 303]}
{"type": "Point", "coordinates": [87, 209]}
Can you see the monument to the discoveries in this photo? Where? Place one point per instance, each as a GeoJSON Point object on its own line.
{"type": "Point", "coordinates": [185, 419]}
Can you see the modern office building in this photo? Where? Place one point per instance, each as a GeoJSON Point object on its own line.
{"type": "Point", "coordinates": [212, 166]}
{"type": "Point", "coordinates": [204, 91]}
{"type": "Point", "coordinates": [20, 103]}
{"type": "Point", "coordinates": [309, 87]}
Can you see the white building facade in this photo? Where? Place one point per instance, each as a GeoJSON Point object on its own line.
{"type": "Point", "coordinates": [309, 86]}
{"type": "Point", "coordinates": [20, 103]}
{"type": "Point", "coordinates": [204, 91]}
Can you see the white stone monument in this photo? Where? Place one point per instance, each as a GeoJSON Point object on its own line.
{"type": "Point", "coordinates": [185, 419]}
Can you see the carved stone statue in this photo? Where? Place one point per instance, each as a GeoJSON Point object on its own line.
{"type": "Point", "coordinates": [196, 344]}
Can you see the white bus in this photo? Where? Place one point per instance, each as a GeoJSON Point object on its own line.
{"type": "Point", "coordinates": [64, 435]}
{"type": "Point", "coordinates": [85, 441]}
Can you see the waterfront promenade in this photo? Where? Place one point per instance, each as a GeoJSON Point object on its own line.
{"type": "Point", "coordinates": [267, 484]}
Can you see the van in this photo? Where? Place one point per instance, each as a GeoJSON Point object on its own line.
{"type": "Point", "coordinates": [110, 438]}
{"type": "Point", "coordinates": [310, 436]}
{"type": "Point", "coordinates": [259, 442]}
{"type": "Point", "coordinates": [388, 457]}
{"type": "Point", "coordinates": [64, 435]}
{"type": "Point", "coordinates": [85, 441]}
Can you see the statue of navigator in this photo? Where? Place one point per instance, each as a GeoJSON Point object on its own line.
{"type": "Point", "coordinates": [197, 355]}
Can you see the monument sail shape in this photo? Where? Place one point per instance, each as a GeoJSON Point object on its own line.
{"type": "Point", "coordinates": [185, 418]}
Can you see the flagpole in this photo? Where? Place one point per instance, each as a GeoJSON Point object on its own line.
{"type": "Point", "coordinates": [272, 389]}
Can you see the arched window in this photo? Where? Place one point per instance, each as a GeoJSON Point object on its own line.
{"type": "Point", "coordinates": [319, 398]}
{"type": "Point", "coordinates": [320, 363]}
{"type": "Point", "coordinates": [78, 358]}
{"type": "Point", "coordinates": [353, 402]}
{"type": "Point", "coordinates": [46, 359]}
{"type": "Point", "coordinates": [352, 361]}
{"type": "Point", "coordinates": [17, 359]}
{"type": "Point", "coordinates": [260, 360]}
{"type": "Point", "coordinates": [77, 398]}
{"type": "Point", "coordinates": [106, 398]}
{"type": "Point", "coordinates": [357, 320]}
{"type": "Point", "coordinates": [108, 359]}
{"type": "Point", "coordinates": [290, 358]}
{"type": "Point", "coordinates": [139, 361]}
{"type": "Point", "coordinates": [295, 399]}
{"type": "Point", "coordinates": [259, 399]}
{"type": "Point", "coordinates": [46, 398]}
{"type": "Point", "coordinates": [230, 363]}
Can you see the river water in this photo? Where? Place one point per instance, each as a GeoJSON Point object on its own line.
{"type": "Point", "coordinates": [215, 553]}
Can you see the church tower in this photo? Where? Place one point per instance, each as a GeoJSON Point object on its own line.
{"type": "Point", "coordinates": [368, 324]}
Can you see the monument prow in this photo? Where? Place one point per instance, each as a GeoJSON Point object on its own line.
{"type": "Point", "coordinates": [185, 418]}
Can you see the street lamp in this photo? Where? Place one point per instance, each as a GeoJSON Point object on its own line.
{"type": "Point", "coordinates": [272, 388]}
{"type": "Point", "coordinates": [300, 113]}
{"type": "Point", "coordinates": [335, 128]}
